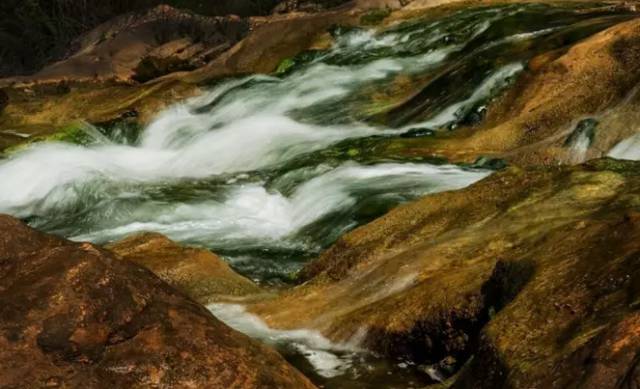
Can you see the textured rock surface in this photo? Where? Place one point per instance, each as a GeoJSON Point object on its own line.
{"type": "Point", "coordinates": [198, 273]}
{"type": "Point", "coordinates": [532, 122]}
{"type": "Point", "coordinates": [71, 315]}
{"type": "Point", "coordinates": [534, 271]}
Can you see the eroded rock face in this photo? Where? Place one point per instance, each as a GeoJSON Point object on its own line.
{"type": "Point", "coordinates": [72, 315]}
{"type": "Point", "coordinates": [198, 273]}
{"type": "Point", "coordinates": [535, 271]}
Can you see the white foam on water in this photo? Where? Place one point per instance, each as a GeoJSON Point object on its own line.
{"type": "Point", "coordinates": [579, 148]}
{"type": "Point", "coordinates": [487, 88]}
{"type": "Point", "coordinates": [627, 149]}
{"type": "Point", "coordinates": [253, 213]}
{"type": "Point", "coordinates": [247, 126]}
{"type": "Point", "coordinates": [328, 359]}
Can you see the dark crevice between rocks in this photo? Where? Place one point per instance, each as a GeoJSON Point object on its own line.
{"type": "Point", "coordinates": [631, 379]}
{"type": "Point", "coordinates": [486, 369]}
{"type": "Point", "coordinates": [507, 280]}
{"type": "Point", "coordinates": [444, 346]}
{"type": "Point", "coordinates": [489, 371]}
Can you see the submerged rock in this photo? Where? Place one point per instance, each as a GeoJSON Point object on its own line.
{"type": "Point", "coordinates": [418, 132]}
{"type": "Point", "coordinates": [72, 315]}
{"type": "Point", "coordinates": [532, 271]}
{"type": "Point", "coordinates": [198, 273]}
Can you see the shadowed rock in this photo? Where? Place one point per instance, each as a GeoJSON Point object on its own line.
{"type": "Point", "coordinates": [72, 315]}
{"type": "Point", "coordinates": [143, 46]}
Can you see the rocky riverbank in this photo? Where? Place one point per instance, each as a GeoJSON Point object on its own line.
{"type": "Point", "coordinates": [529, 275]}
{"type": "Point", "coordinates": [507, 252]}
{"type": "Point", "coordinates": [527, 278]}
{"type": "Point", "coordinates": [126, 70]}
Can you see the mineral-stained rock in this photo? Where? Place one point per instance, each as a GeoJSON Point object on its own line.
{"type": "Point", "coordinates": [534, 271]}
{"type": "Point", "coordinates": [198, 273]}
{"type": "Point", "coordinates": [72, 315]}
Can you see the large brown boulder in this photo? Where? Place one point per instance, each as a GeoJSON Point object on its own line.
{"type": "Point", "coordinates": [197, 272]}
{"type": "Point", "coordinates": [72, 315]}
{"type": "Point", "coordinates": [534, 271]}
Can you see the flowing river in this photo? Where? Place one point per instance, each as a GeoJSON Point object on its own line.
{"type": "Point", "coordinates": [267, 171]}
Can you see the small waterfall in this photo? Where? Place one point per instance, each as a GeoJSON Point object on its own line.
{"type": "Point", "coordinates": [627, 149]}
{"type": "Point", "coordinates": [580, 140]}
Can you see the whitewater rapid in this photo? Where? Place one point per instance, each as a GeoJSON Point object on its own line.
{"type": "Point", "coordinates": [268, 170]}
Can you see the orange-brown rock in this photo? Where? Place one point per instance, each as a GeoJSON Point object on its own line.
{"type": "Point", "coordinates": [532, 122]}
{"type": "Point", "coordinates": [198, 273]}
{"type": "Point", "coordinates": [534, 271]}
{"type": "Point", "coordinates": [72, 315]}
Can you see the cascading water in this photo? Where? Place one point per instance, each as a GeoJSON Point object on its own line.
{"type": "Point", "coordinates": [269, 170]}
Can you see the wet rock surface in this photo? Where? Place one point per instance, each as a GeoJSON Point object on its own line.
{"type": "Point", "coordinates": [526, 279]}
{"type": "Point", "coordinates": [198, 273]}
{"type": "Point", "coordinates": [172, 52]}
{"type": "Point", "coordinates": [178, 52]}
{"type": "Point", "coordinates": [530, 123]}
{"type": "Point", "coordinates": [73, 315]}
{"type": "Point", "coordinates": [533, 272]}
